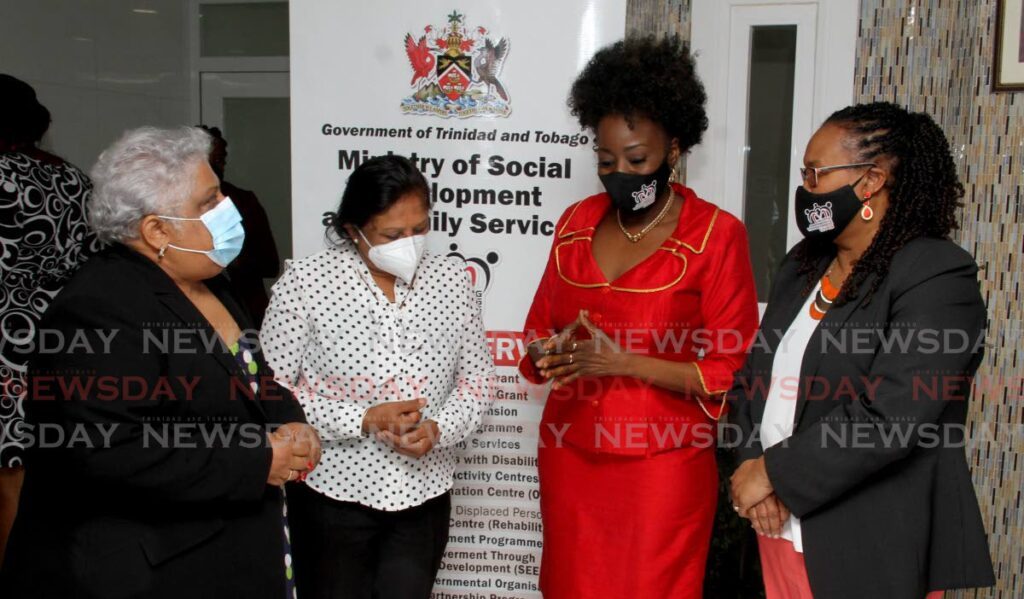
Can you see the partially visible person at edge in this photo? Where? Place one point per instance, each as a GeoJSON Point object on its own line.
{"type": "Point", "coordinates": [44, 238]}
{"type": "Point", "coordinates": [177, 439]}
{"type": "Point", "coordinates": [852, 469]}
{"type": "Point", "coordinates": [642, 315]}
{"type": "Point", "coordinates": [259, 259]}
{"type": "Point", "coordinates": [383, 344]}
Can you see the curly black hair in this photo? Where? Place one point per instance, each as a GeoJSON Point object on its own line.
{"type": "Point", "coordinates": [924, 190]}
{"type": "Point", "coordinates": [643, 76]}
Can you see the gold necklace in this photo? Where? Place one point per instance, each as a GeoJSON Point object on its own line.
{"type": "Point", "coordinates": [635, 237]}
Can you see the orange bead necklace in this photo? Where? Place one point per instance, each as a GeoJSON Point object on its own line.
{"type": "Point", "coordinates": [827, 293]}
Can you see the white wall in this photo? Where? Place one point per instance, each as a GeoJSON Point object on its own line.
{"type": "Point", "coordinates": [99, 66]}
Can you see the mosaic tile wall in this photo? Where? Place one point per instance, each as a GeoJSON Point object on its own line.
{"type": "Point", "coordinates": [659, 17]}
{"type": "Point", "coordinates": [937, 56]}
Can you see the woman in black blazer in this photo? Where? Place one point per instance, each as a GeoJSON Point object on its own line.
{"type": "Point", "coordinates": [161, 443]}
{"type": "Point", "coordinates": [853, 399]}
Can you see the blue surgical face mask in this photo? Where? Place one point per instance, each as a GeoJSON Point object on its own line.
{"type": "Point", "coordinates": [225, 226]}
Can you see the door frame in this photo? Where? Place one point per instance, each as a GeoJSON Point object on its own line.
{"type": "Point", "coordinates": [716, 168]}
{"type": "Point", "coordinates": [222, 64]}
{"type": "Point", "coordinates": [716, 40]}
{"type": "Point", "coordinates": [242, 84]}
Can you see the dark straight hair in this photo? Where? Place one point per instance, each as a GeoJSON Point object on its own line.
{"type": "Point", "coordinates": [373, 188]}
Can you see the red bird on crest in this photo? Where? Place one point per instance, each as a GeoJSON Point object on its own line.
{"type": "Point", "coordinates": [420, 57]}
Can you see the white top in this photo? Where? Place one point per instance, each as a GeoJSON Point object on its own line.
{"type": "Point", "coordinates": [333, 338]}
{"type": "Point", "coordinates": [780, 407]}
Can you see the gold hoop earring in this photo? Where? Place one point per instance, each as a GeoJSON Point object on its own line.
{"type": "Point", "coordinates": [673, 177]}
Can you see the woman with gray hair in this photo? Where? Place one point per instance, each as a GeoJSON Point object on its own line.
{"type": "Point", "coordinates": [162, 442]}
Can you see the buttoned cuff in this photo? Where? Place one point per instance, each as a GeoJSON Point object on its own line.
{"type": "Point", "coordinates": [447, 431]}
{"type": "Point", "coordinates": [712, 380]}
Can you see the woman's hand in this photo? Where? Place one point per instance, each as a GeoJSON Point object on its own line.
{"type": "Point", "coordinates": [768, 517]}
{"type": "Point", "coordinates": [415, 443]}
{"type": "Point", "coordinates": [395, 417]}
{"type": "Point", "coordinates": [750, 485]}
{"type": "Point", "coordinates": [300, 431]}
{"type": "Point", "coordinates": [293, 457]}
{"type": "Point", "coordinates": [571, 358]}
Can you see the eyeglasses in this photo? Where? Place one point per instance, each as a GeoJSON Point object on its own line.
{"type": "Point", "coordinates": [810, 174]}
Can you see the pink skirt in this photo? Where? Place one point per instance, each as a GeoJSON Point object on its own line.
{"type": "Point", "coordinates": [784, 572]}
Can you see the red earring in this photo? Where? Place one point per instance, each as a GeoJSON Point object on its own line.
{"type": "Point", "coordinates": [866, 213]}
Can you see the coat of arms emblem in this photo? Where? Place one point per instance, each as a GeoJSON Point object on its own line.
{"type": "Point", "coordinates": [457, 73]}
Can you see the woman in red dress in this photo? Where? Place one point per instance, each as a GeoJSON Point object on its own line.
{"type": "Point", "coordinates": [642, 315]}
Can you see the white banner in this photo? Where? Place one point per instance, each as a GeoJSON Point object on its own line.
{"type": "Point", "coordinates": [475, 94]}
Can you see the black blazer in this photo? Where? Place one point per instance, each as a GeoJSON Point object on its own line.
{"type": "Point", "coordinates": [879, 517]}
{"type": "Point", "coordinates": [176, 504]}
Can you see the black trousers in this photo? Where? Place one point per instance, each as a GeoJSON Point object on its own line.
{"type": "Point", "coordinates": [344, 550]}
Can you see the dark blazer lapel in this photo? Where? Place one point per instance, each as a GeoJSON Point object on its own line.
{"type": "Point", "coordinates": [219, 286]}
{"type": "Point", "coordinates": [172, 298]}
{"type": "Point", "coordinates": [190, 317]}
{"type": "Point", "coordinates": [777, 322]}
{"type": "Point", "coordinates": [833, 322]}
{"type": "Point", "coordinates": [785, 317]}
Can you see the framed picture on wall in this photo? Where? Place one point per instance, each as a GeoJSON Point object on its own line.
{"type": "Point", "coordinates": [1009, 58]}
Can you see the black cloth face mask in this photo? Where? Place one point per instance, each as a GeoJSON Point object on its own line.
{"type": "Point", "coordinates": [636, 193]}
{"type": "Point", "coordinates": [823, 216]}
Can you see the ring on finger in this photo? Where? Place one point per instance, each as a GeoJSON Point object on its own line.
{"type": "Point", "coordinates": [575, 346]}
{"type": "Point", "coordinates": [570, 358]}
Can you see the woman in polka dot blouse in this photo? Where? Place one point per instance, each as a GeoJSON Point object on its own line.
{"type": "Point", "coordinates": [383, 345]}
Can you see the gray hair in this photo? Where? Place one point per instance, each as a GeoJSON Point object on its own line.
{"type": "Point", "coordinates": [144, 172]}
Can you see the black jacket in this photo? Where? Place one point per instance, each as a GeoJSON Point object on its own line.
{"type": "Point", "coordinates": [176, 503]}
{"type": "Point", "coordinates": [886, 509]}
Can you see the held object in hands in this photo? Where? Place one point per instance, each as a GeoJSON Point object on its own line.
{"type": "Point", "coordinates": [536, 351]}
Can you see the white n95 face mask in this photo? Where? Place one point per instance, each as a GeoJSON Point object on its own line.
{"type": "Point", "coordinates": [400, 257]}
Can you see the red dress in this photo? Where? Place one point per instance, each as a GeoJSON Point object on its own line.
{"type": "Point", "coordinates": [627, 470]}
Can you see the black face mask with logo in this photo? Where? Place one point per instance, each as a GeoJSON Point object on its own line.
{"type": "Point", "coordinates": [823, 216]}
{"type": "Point", "coordinates": [636, 193]}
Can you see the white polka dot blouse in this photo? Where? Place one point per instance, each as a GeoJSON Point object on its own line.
{"type": "Point", "coordinates": [335, 340]}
